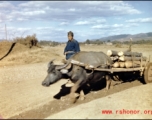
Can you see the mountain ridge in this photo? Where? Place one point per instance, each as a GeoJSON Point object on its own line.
{"type": "Point", "coordinates": [126, 37]}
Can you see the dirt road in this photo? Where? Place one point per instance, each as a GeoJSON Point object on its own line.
{"type": "Point", "coordinates": [22, 95]}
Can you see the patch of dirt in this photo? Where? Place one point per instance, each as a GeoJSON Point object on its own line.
{"type": "Point", "coordinates": [21, 54]}
{"type": "Point", "coordinates": [58, 105]}
{"type": "Point", "coordinates": [136, 99]}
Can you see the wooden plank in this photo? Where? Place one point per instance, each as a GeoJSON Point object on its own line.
{"type": "Point", "coordinates": [120, 69]}
{"type": "Point", "coordinates": [136, 54]}
{"type": "Point", "coordinates": [110, 70]}
{"type": "Point", "coordinates": [127, 58]}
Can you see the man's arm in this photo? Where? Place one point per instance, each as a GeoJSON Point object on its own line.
{"type": "Point", "coordinates": [77, 47]}
{"type": "Point", "coordinates": [65, 50]}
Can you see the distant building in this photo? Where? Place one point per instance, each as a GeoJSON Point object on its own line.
{"type": "Point", "coordinates": [108, 43]}
{"type": "Point", "coordinates": [88, 44]}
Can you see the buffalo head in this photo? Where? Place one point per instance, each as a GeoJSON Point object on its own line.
{"type": "Point", "coordinates": [55, 72]}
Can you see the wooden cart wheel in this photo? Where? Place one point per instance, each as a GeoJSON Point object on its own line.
{"type": "Point", "coordinates": [148, 73]}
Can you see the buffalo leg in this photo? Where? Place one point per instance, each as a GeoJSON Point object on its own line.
{"type": "Point", "coordinates": [108, 82]}
{"type": "Point", "coordinates": [82, 96]}
{"type": "Point", "coordinates": [74, 89]}
{"type": "Point", "coordinates": [72, 93]}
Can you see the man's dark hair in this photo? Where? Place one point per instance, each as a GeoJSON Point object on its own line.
{"type": "Point", "coordinates": [70, 33]}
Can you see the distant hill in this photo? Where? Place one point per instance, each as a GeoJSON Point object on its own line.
{"type": "Point", "coordinates": [126, 37]}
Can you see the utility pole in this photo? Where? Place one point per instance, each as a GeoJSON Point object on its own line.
{"type": "Point", "coordinates": [6, 31]}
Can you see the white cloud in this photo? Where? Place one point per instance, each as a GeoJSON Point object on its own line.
{"type": "Point", "coordinates": [41, 32]}
{"type": "Point", "coordinates": [72, 9]}
{"type": "Point", "coordinates": [64, 23]}
{"type": "Point", "coordinates": [132, 25]}
{"type": "Point", "coordinates": [100, 26]}
{"type": "Point", "coordinates": [124, 8]}
{"type": "Point", "coordinates": [106, 26]}
{"type": "Point", "coordinates": [117, 25]}
{"type": "Point", "coordinates": [141, 20]}
{"type": "Point", "coordinates": [44, 28]}
{"type": "Point", "coordinates": [21, 19]}
{"type": "Point", "coordinates": [82, 23]}
{"type": "Point", "coordinates": [23, 29]}
{"type": "Point", "coordinates": [49, 28]}
{"type": "Point", "coordinates": [66, 10]}
{"type": "Point", "coordinates": [91, 21]}
{"type": "Point", "coordinates": [6, 5]}
{"type": "Point", "coordinates": [13, 32]}
{"type": "Point", "coordinates": [32, 13]}
{"type": "Point", "coordinates": [100, 21]}
{"type": "Point", "coordinates": [32, 3]}
{"type": "Point", "coordinates": [118, 18]}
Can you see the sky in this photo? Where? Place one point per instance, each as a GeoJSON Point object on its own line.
{"type": "Point", "coordinates": [51, 20]}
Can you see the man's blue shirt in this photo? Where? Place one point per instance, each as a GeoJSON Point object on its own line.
{"type": "Point", "coordinates": [72, 45]}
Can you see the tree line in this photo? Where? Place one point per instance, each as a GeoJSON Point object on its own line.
{"type": "Point", "coordinates": [26, 40]}
{"type": "Point", "coordinates": [117, 42]}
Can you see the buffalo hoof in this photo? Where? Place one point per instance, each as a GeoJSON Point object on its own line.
{"type": "Point", "coordinates": [111, 87]}
{"type": "Point", "coordinates": [76, 95]}
{"type": "Point", "coordinates": [81, 98]}
{"type": "Point", "coordinates": [106, 90]}
{"type": "Point", "coordinates": [73, 100]}
{"type": "Point", "coordinates": [63, 98]}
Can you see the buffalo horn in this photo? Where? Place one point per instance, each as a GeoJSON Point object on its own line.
{"type": "Point", "coordinates": [62, 66]}
{"type": "Point", "coordinates": [51, 61]}
{"type": "Point", "coordinates": [69, 66]}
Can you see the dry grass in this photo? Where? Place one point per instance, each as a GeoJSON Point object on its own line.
{"type": "Point", "coordinates": [21, 54]}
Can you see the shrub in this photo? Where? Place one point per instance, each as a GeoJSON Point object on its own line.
{"type": "Point", "coordinates": [118, 45]}
{"type": "Point", "coordinates": [27, 40]}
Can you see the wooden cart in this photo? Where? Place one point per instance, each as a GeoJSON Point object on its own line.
{"type": "Point", "coordinates": [145, 72]}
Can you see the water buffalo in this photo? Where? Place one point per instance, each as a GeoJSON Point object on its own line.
{"type": "Point", "coordinates": [78, 74]}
